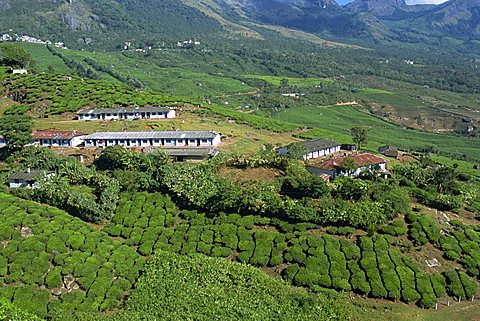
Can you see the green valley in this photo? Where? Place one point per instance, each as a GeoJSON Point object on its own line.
{"type": "Point", "coordinates": [239, 160]}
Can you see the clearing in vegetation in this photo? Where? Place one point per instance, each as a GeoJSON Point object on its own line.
{"type": "Point", "coordinates": [292, 81]}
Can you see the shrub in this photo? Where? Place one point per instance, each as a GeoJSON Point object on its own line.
{"type": "Point", "coordinates": [244, 256]}
{"type": "Point", "coordinates": [99, 288]}
{"type": "Point", "coordinates": [263, 247]}
{"type": "Point", "coordinates": [3, 266]}
{"type": "Point", "coordinates": [220, 251]}
{"type": "Point", "coordinates": [410, 295]}
{"type": "Point", "coordinates": [438, 284]}
{"type": "Point", "coordinates": [358, 280]}
{"type": "Point", "coordinates": [207, 236]}
{"type": "Point", "coordinates": [135, 236]}
{"type": "Point", "coordinates": [146, 248]}
{"type": "Point", "coordinates": [76, 240]}
{"type": "Point", "coordinates": [54, 278]}
{"type": "Point", "coordinates": [454, 285]}
{"type": "Point", "coordinates": [351, 251]}
{"type": "Point", "coordinates": [295, 254]}
{"type": "Point", "coordinates": [342, 230]}
{"type": "Point", "coordinates": [427, 301]}
{"type": "Point", "coordinates": [470, 286]}
{"type": "Point", "coordinates": [276, 260]}
{"type": "Point", "coordinates": [290, 272]}
{"type": "Point", "coordinates": [306, 277]}
{"type": "Point", "coordinates": [425, 289]}
{"type": "Point", "coordinates": [396, 228]}
{"type": "Point", "coordinates": [204, 248]}
{"type": "Point", "coordinates": [247, 222]}
{"type": "Point", "coordinates": [188, 248]}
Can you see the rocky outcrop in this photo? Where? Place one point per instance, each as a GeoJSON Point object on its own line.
{"type": "Point", "coordinates": [77, 16]}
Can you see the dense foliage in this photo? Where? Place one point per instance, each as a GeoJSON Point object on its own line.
{"type": "Point", "coordinates": [15, 56]}
{"type": "Point", "coordinates": [372, 266]}
{"type": "Point", "coordinates": [55, 94]}
{"type": "Point", "coordinates": [171, 286]}
{"type": "Point", "coordinates": [10, 312]}
{"type": "Point", "coordinates": [52, 261]}
{"type": "Point", "coordinates": [16, 130]}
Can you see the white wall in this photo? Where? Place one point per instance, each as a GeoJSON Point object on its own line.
{"type": "Point", "coordinates": [217, 140]}
{"type": "Point", "coordinates": [130, 115]}
{"type": "Point", "coordinates": [77, 141]}
{"type": "Point", "coordinates": [12, 184]}
{"type": "Point", "coordinates": [322, 152]}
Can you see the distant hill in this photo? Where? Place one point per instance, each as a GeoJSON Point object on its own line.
{"type": "Point", "coordinates": [379, 8]}
{"type": "Point", "coordinates": [108, 24]}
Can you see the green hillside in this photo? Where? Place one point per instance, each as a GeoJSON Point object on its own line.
{"type": "Point", "coordinates": [171, 286]}
{"type": "Point", "coordinates": [335, 122]}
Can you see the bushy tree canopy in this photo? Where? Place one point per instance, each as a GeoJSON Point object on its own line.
{"type": "Point", "coordinates": [15, 56]}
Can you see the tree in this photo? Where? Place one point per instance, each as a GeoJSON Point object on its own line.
{"type": "Point", "coordinates": [16, 130]}
{"type": "Point", "coordinates": [15, 56]}
{"type": "Point", "coordinates": [33, 157]}
{"type": "Point", "coordinates": [359, 135]}
{"type": "Point", "coordinates": [296, 151]}
{"type": "Point", "coordinates": [348, 165]}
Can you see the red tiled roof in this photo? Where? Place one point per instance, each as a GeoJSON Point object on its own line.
{"type": "Point", "coordinates": [45, 134]}
{"type": "Point", "coordinates": [361, 160]}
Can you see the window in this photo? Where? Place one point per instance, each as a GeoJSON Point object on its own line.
{"type": "Point", "coordinates": [204, 141]}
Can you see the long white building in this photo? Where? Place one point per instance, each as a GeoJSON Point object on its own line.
{"type": "Point", "coordinates": [314, 148]}
{"type": "Point", "coordinates": [154, 138]}
{"type": "Point", "coordinates": [128, 113]}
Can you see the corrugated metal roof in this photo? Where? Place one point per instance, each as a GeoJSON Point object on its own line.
{"type": "Point", "coordinates": [194, 134]}
{"type": "Point", "coordinates": [45, 134]}
{"type": "Point", "coordinates": [361, 160]}
{"type": "Point", "coordinates": [312, 145]}
{"type": "Point", "coordinates": [27, 175]}
{"type": "Point", "coordinates": [204, 152]}
{"type": "Point", "coordinates": [124, 110]}
{"type": "Point", "coordinates": [318, 144]}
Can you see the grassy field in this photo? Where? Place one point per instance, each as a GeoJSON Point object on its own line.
{"type": "Point", "coordinates": [299, 82]}
{"type": "Point", "coordinates": [172, 81]}
{"type": "Point", "coordinates": [44, 59]}
{"type": "Point", "coordinates": [335, 122]}
{"type": "Point", "coordinates": [374, 91]}
{"type": "Point", "coordinates": [368, 311]}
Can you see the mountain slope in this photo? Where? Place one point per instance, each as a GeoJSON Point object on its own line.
{"type": "Point", "coordinates": [108, 24]}
{"type": "Point", "coordinates": [460, 18]}
{"type": "Point", "coordinates": [379, 8]}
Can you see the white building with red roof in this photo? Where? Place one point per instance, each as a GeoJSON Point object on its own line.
{"type": "Point", "coordinates": [364, 162]}
{"type": "Point", "coordinates": [46, 138]}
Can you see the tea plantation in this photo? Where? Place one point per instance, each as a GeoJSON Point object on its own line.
{"type": "Point", "coordinates": [461, 244]}
{"type": "Point", "coordinates": [51, 260]}
{"type": "Point", "coordinates": [55, 94]}
{"type": "Point", "coordinates": [372, 266]}
{"type": "Point", "coordinates": [196, 287]}
{"type": "Point", "coordinates": [53, 264]}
